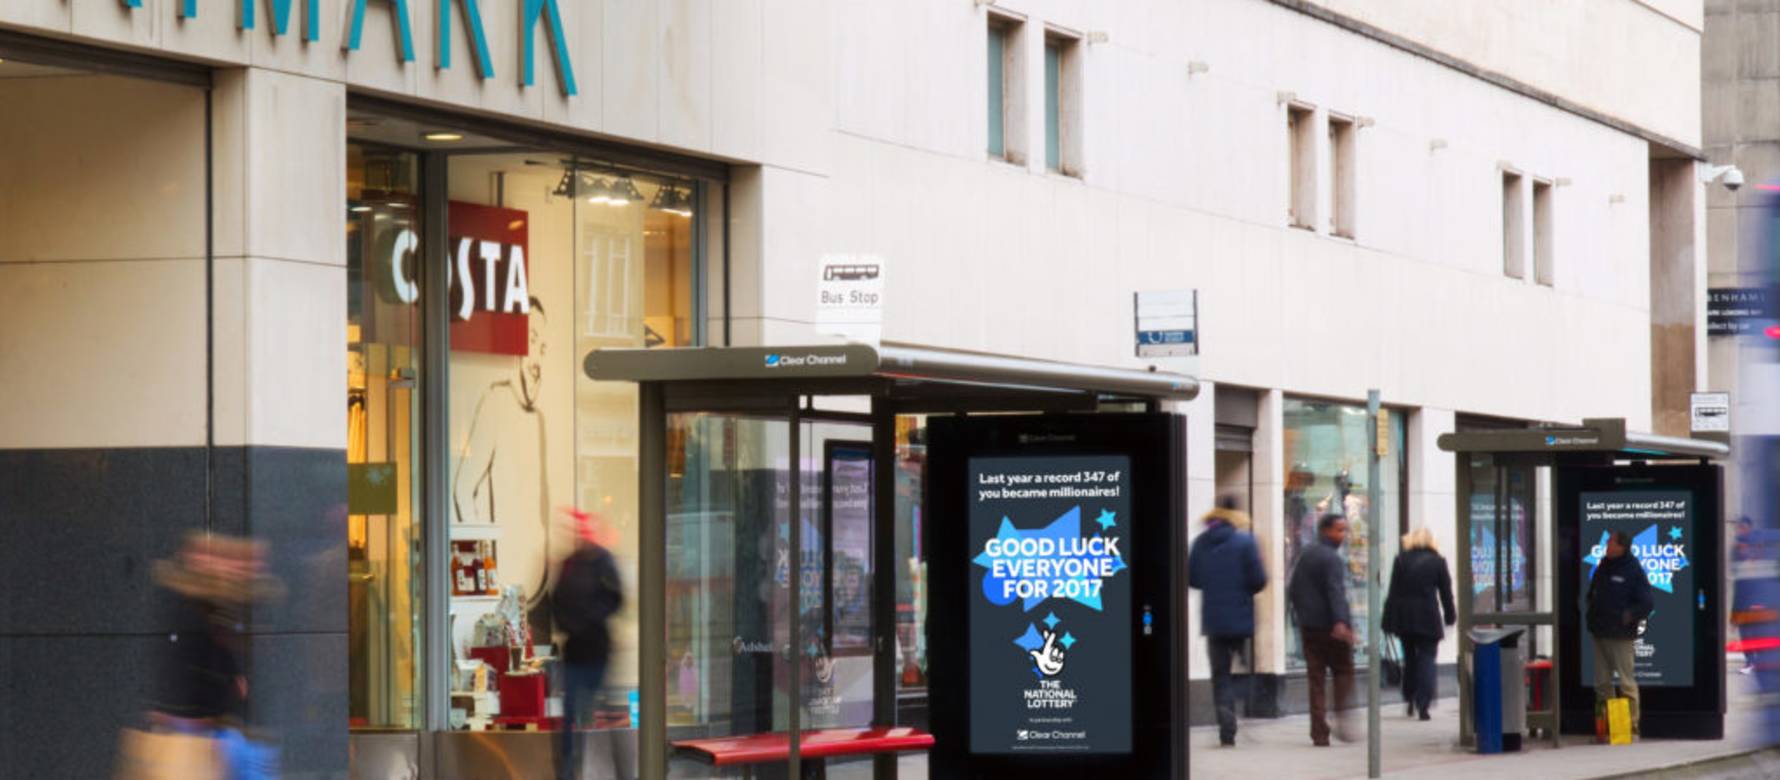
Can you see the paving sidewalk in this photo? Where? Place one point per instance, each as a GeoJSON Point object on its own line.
{"type": "Point", "coordinates": [1416, 749]}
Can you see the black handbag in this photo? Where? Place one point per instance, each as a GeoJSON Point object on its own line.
{"type": "Point", "coordinates": [1389, 666]}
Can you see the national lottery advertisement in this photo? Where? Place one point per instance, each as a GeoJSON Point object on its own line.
{"type": "Point", "coordinates": [1661, 523]}
{"type": "Point", "coordinates": [1050, 605]}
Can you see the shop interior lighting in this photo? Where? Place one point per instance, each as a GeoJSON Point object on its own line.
{"type": "Point", "coordinates": [565, 186]}
{"type": "Point", "coordinates": [360, 209]}
{"type": "Point", "coordinates": [599, 190]}
{"type": "Point", "coordinates": [624, 192]}
{"type": "Point", "coordinates": [443, 136]}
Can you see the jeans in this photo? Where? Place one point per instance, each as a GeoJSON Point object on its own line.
{"type": "Point", "coordinates": [1418, 671]}
{"type": "Point", "coordinates": [1223, 650]}
{"type": "Point", "coordinates": [581, 686]}
{"type": "Point", "coordinates": [1324, 654]}
{"type": "Point", "coordinates": [1615, 655]}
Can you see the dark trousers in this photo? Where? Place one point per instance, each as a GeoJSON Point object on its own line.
{"type": "Point", "coordinates": [580, 686]}
{"type": "Point", "coordinates": [1418, 671]}
{"type": "Point", "coordinates": [1222, 651]}
{"type": "Point", "coordinates": [1324, 654]}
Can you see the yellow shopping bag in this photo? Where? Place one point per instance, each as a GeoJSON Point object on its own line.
{"type": "Point", "coordinates": [1619, 721]}
{"type": "Point", "coordinates": [160, 755]}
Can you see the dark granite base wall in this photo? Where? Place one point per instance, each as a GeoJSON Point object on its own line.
{"type": "Point", "coordinates": [82, 624]}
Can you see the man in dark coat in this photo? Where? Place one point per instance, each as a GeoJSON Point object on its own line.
{"type": "Point", "coordinates": [1225, 565]}
{"type": "Point", "coordinates": [588, 593]}
{"type": "Point", "coordinates": [1318, 598]}
{"type": "Point", "coordinates": [1619, 598]}
{"type": "Point", "coordinates": [1417, 610]}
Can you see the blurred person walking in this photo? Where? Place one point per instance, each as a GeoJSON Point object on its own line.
{"type": "Point", "coordinates": [1416, 611]}
{"type": "Point", "coordinates": [1317, 595]}
{"type": "Point", "coordinates": [1225, 566]}
{"type": "Point", "coordinates": [1619, 599]}
{"type": "Point", "coordinates": [197, 718]}
{"type": "Point", "coordinates": [588, 592]}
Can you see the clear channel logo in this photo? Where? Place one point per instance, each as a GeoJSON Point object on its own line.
{"type": "Point", "coordinates": [772, 360]}
{"type": "Point", "coordinates": [777, 360]}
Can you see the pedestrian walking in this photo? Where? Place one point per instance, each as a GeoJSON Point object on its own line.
{"type": "Point", "coordinates": [1225, 566]}
{"type": "Point", "coordinates": [1619, 599]}
{"type": "Point", "coordinates": [588, 592]}
{"type": "Point", "coordinates": [1318, 598]}
{"type": "Point", "coordinates": [1416, 611]}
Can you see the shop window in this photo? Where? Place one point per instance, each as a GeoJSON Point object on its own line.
{"type": "Point", "coordinates": [550, 259]}
{"type": "Point", "coordinates": [1326, 445]}
{"type": "Point", "coordinates": [1301, 166]}
{"type": "Point", "coordinates": [383, 452]}
{"type": "Point", "coordinates": [1543, 272]}
{"type": "Point", "coordinates": [1341, 176]}
{"type": "Point", "coordinates": [1514, 226]}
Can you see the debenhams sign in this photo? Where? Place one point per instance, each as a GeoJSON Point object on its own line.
{"type": "Point", "coordinates": [531, 12]}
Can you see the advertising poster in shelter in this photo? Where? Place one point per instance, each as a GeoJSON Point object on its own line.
{"type": "Point", "coordinates": [1050, 605]}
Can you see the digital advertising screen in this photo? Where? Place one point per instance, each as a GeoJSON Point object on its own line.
{"type": "Point", "coordinates": [1050, 597]}
{"type": "Point", "coordinates": [1662, 526]}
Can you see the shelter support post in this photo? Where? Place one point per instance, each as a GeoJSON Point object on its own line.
{"type": "Point", "coordinates": [652, 582]}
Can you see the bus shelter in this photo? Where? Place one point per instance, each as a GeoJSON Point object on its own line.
{"type": "Point", "coordinates": [1508, 533]}
{"type": "Point", "coordinates": [781, 561]}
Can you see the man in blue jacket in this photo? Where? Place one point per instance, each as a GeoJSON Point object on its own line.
{"type": "Point", "coordinates": [1619, 599]}
{"type": "Point", "coordinates": [1225, 565]}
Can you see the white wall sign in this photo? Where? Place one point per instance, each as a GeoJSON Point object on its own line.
{"type": "Point", "coordinates": [1710, 412]}
{"type": "Point", "coordinates": [1167, 323]}
{"type": "Point", "coordinates": [850, 296]}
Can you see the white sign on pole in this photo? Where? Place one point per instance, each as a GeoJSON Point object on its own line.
{"type": "Point", "coordinates": [1710, 412]}
{"type": "Point", "coordinates": [850, 297]}
{"type": "Point", "coordinates": [1167, 323]}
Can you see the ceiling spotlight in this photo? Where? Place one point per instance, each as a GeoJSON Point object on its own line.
{"type": "Point", "coordinates": [443, 136]}
{"type": "Point", "coordinates": [599, 190]}
{"type": "Point", "coordinates": [624, 192]}
{"type": "Point", "coordinates": [565, 186]}
{"type": "Point", "coordinates": [359, 209]}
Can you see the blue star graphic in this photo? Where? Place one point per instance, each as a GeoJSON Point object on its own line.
{"type": "Point", "coordinates": [1675, 532]}
{"type": "Point", "coordinates": [1030, 640]}
{"type": "Point", "coordinates": [1067, 641]}
{"type": "Point", "coordinates": [1051, 620]}
{"type": "Point", "coordinates": [1067, 526]}
{"type": "Point", "coordinates": [1106, 519]}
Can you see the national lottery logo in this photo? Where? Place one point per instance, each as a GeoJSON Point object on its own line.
{"type": "Point", "coordinates": [1661, 552]}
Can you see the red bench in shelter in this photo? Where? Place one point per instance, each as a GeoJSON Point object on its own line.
{"type": "Point", "coordinates": [749, 749]}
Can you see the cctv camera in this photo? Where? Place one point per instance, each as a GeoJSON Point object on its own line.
{"type": "Point", "coordinates": [1730, 175]}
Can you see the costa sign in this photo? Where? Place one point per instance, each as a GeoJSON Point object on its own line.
{"type": "Point", "coordinates": [490, 284]}
{"type": "Point", "coordinates": [531, 12]}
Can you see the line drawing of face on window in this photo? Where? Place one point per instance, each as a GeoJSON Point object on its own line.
{"type": "Point", "coordinates": [531, 367]}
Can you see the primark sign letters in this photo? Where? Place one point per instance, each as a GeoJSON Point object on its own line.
{"type": "Point", "coordinates": [531, 12]}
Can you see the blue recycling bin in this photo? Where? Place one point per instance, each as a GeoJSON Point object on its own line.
{"type": "Point", "coordinates": [1495, 667]}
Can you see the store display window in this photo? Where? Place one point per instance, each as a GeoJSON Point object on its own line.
{"type": "Point", "coordinates": [1326, 445]}
{"type": "Point", "coordinates": [549, 259]}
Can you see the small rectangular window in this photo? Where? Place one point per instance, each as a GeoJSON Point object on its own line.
{"type": "Point", "coordinates": [1301, 146]}
{"type": "Point", "coordinates": [1063, 116]}
{"type": "Point", "coordinates": [1006, 110]}
{"type": "Point", "coordinates": [1341, 176]}
{"type": "Point", "coordinates": [997, 91]}
{"type": "Point", "coordinates": [1514, 227]}
{"type": "Point", "coordinates": [1543, 272]}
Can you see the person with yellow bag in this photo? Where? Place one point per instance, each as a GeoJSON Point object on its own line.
{"type": "Point", "coordinates": [1619, 599]}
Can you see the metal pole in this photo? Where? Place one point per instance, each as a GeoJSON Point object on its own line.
{"type": "Point", "coordinates": [794, 651]}
{"type": "Point", "coordinates": [1373, 635]}
{"type": "Point", "coordinates": [652, 581]}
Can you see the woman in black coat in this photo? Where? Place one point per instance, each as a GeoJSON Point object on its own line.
{"type": "Point", "coordinates": [1416, 610]}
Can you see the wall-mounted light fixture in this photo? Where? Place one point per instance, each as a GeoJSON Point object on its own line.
{"type": "Point", "coordinates": [1195, 67]}
{"type": "Point", "coordinates": [1437, 144]}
